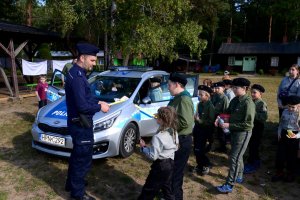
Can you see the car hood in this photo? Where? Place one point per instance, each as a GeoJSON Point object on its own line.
{"type": "Point", "coordinates": [55, 114]}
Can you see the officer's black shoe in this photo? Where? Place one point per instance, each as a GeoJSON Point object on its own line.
{"type": "Point", "coordinates": [84, 197]}
{"type": "Point", "coordinates": [221, 150]}
{"type": "Point", "coordinates": [68, 188]}
{"type": "Point", "coordinates": [205, 171]}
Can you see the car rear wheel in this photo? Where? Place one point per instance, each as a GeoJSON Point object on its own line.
{"type": "Point", "coordinates": [128, 140]}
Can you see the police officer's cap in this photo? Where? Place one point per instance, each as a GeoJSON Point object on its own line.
{"type": "Point", "coordinates": [205, 88]}
{"type": "Point", "coordinates": [258, 87]}
{"type": "Point", "coordinates": [87, 49]}
{"type": "Point", "coordinates": [179, 78]}
{"type": "Point", "coordinates": [218, 84]}
{"type": "Point", "coordinates": [155, 80]}
{"type": "Point", "coordinates": [227, 82]}
{"type": "Point", "coordinates": [293, 100]}
{"type": "Point", "coordinates": [241, 82]}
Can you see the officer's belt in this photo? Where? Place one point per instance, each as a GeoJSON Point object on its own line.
{"type": "Point", "coordinates": [83, 121]}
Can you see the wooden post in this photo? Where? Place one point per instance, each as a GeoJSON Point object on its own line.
{"type": "Point", "coordinates": [12, 54]}
{"type": "Point", "coordinates": [13, 68]}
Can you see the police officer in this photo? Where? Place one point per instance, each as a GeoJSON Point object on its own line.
{"type": "Point", "coordinates": [81, 106]}
{"type": "Point", "coordinates": [183, 104]}
{"type": "Point", "coordinates": [242, 113]}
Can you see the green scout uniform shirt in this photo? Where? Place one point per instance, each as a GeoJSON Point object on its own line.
{"type": "Point", "coordinates": [214, 98]}
{"type": "Point", "coordinates": [221, 103]}
{"type": "Point", "coordinates": [261, 114]}
{"type": "Point", "coordinates": [206, 113]}
{"type": "Point", "coordinates": [184, 107]}
{"type": "Point", "coordinates": [242, 113]}
{"type": "Point", "coordinates": [67, 67]}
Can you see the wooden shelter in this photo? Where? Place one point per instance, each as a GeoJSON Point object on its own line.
{"type": "Point", "coordinates": [15, 38]}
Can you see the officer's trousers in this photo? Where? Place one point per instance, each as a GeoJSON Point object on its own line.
{"type": "Point", "coordinates": [201, 136]}
{"type": "Point", "coordinates": [80, 160]}
{"type": "Point", "coordinates": [180, 161]}
{"type": "Point", "coordinates": [160, 177]}
{"type": "Point", "coordinates": [239, 143]}
{"type": "Point", "coordinates": [255, 141]}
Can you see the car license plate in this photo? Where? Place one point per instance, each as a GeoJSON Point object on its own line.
{"type": "Point", "coordinates": [52, 139]}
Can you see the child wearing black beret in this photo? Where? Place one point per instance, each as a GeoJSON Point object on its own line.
{"type": "Point", "coordinates": [204, 118]}
{"type": "Point", "coordinates": [221, 104]}
{"type": "Point", "coordinates": [261, 116]}
{"type": "Point", "coordinates": [240, 125]}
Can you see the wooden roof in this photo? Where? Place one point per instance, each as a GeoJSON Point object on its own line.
{"type": "Point", "coordinates": [260, 48]}
{"type": "Point", "coordinates": [21, 32]}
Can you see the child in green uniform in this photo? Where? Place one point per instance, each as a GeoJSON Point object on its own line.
{"type": "Point", "coordinates": [242, 113]}
{"type": "Point", "coordinates": [261, 116]}
{"type": "Point", "coordinates": [220, 103]}
{"type": "Point", "coordinates": [204, 119]}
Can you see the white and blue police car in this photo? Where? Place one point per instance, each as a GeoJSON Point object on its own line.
{"type": "Point", "coordinates": [117, 131]}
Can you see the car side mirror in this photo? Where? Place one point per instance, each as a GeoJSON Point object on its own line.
{"type": "Point", "coordinates": [62, 92]}
{"type": "Point", "coordinates": [146, 100]}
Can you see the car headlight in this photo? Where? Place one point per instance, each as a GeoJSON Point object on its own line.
{"type": "Point", "coordinates": [102, 125]}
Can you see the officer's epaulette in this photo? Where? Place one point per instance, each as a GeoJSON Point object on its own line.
{"type": "Point", "coordinates": [79, 73]}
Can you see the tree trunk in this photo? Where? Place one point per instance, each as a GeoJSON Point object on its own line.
{"type": "Point", "coordinates": [212, 46]}
{"type": "Point", "coordinates": [126, 60]}
{"type": "Point", "coordinates": [297, 31]}
{"type": "Point", "coordinates": [270, 28]}
{"type": "Point", "coordinates": [29, 12]}
{"type": "Point", "coordinates": [230, 27]}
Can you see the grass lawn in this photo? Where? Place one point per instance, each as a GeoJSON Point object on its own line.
{"type": "Point", "coordinates": [28, 174]}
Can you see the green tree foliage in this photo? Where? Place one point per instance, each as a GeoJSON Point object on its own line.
{"type": "Point", "coordinates": [9, 11]}
{"type": "Point", "coordinates": [44, 52]}
{"type": "Point", "coordinates": [207, 13]}
{"type": "Point", "coordinates": [159, 27]}
{"type": "Point", "coordinates": [156, 28]}
{"type": "Point", "coordinates": [287, 13]}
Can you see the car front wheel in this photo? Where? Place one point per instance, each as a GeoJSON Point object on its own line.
{"type": "Point", "coordinates": [128, 140]}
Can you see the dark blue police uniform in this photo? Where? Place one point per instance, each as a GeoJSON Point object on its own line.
{"type": "Point", "coordinates": [79, 100]}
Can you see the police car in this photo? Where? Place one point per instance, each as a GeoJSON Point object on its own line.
{"type": "Point", "coordinates": [116, 132]}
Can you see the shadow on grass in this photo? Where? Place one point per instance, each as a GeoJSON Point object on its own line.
{"type": "Point", "coordinates": [26, 116]}
{"type": "Point", "coordinates": [260, 181]}
{"type": "Point", "coordinates": [105, 181]}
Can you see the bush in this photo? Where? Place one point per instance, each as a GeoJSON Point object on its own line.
{"type": "Point", "coordinates": [44, 52]}
{"type": "Point", "coordinates": [284, 71]}
{"type": "Point", "coordinates": [220, 72]}
{"type": "Point", "coordinates": [260, 72]}
{"type": "Point", "coordinates": [273, 72]}
{"type": "Point", "coordinates": [234, 73]}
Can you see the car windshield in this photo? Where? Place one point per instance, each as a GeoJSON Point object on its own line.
{"type": "Point", "coordinates": [111, 89]}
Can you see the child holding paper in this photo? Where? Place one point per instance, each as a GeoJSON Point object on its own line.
{"type": "Point", "coordinates": [162, 152]}
{"type": "Point", "coordinates": [288, 143]}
